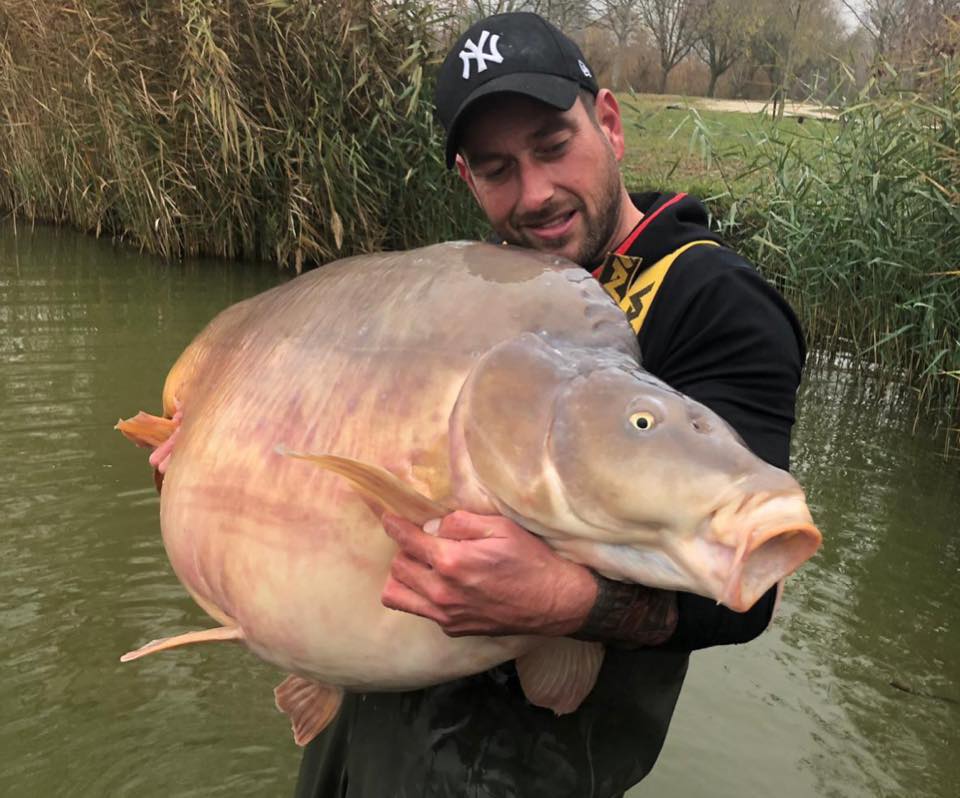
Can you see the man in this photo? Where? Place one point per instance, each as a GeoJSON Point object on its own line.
{"type": "Point", "coordinates": [538, 144]}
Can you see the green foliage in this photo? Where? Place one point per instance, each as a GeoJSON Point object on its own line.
{"type": "Point", "coordinates": [859, 223]}
{"type": "Point", "coordinates": [287, 130]}
{"type": "Point", "coordinates": [857, 220]}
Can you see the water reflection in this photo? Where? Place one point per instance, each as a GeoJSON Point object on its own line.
{"type": "Point", "coordinates": [86, 334]}
{"type": "Point", "coordinates": [890, 502]}
{"type": "Point", "coordinates": [86, 331]}
{"type": "Point", "coordinates": [809, 707]}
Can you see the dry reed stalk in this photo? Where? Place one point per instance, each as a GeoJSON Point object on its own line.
{"type": "Point", "coordinates": [294, 131]}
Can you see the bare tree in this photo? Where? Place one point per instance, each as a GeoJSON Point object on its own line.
{"type": "Point", "coordinates": [881, 19]}
{"type": "Point", "coordinates": [725, 29]}
{"type": "Point", "coordinates": [454, 16]}
{"type": "Point", "coordinates": [568, 15]}
{"type": "Point", "coordinates": [672, 25]}
{"type": "Point", "coordinates": [622, 19]}
{"type": "Point", "coordinates": [485, 8]}
{"type": "Point", "coordinates": [901, 28]}
{"type": "Point", "coordinates": [793, 35]}
{"type": "Point", "coordinates": [795, 11]}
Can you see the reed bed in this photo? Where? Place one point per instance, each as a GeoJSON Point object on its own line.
{"type": "Point", "coordinates": [858, 221]}
{"type": "Point", "coordinates": [295, 131]}
{"type": "Point", "coordinates": [298, 131]}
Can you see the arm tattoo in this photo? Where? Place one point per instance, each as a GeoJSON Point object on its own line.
{"type": "Point", "coordinates": [629, 614]}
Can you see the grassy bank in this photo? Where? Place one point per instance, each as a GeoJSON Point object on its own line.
{"type": "Point", "coordinates": [857, 220]}
{"type": "Point", "coordinates": [287, 130]}
{"type": "Point", "coordinates": [674, 143]}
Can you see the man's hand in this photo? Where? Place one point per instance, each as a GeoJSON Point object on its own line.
{"type": "Point", "coordinates": [485, 575]}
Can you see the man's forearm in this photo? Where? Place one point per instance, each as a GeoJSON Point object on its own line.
{"type": "Point", "coordinates": [630, 614]}
{"type": "Point", "coordinates": [703, 623]}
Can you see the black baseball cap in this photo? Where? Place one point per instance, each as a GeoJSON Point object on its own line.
{"type": "Point", "coordinates": [520, 53]}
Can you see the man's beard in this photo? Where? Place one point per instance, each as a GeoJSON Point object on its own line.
{"type": "Point", "coordinates": [600, 226]}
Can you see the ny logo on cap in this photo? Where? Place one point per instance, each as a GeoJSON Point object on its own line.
{"type": "Point", "coordinates": [475, 52]}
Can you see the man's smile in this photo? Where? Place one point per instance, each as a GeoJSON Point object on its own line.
{"type": "Point", "coordinates": [553, 228]}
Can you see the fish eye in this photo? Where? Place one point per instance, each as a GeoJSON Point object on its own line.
{"type": "Point", "coordinates": [642, 420]}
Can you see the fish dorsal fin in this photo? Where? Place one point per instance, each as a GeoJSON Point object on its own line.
{"type": "Point", "coordinates": [378, 485]}
{"type": "Point", "coordinates": [560, 674]}
{"type": "Point", "coordinates": [219, 634]}
{"type": "Point", "coordinates": [310, 705]}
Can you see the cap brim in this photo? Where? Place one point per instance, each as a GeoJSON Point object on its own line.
{"type": "Point", "coordinates": [553, 90]}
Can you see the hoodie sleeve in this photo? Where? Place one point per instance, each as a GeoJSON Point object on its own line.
{"type": "Point", "coordinates": [726, 338]}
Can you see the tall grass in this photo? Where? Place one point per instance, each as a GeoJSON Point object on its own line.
{"type": "Point", "coordinates": [288, 130]}
{"type": "Point", "coordinates": [858, 221]}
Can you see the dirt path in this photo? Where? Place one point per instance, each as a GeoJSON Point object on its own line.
{"type": "Point", "coordinates": [756, 106]}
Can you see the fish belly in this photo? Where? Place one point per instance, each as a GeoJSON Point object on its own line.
{"type": "Point", "coordinates": [288, 551]}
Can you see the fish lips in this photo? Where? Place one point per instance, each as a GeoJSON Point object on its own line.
{"type": "Point", "coordinates": [764, 538]}
{"type": "Point", "coordinates": [734, 557]}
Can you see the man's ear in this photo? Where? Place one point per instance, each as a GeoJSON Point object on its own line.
{"type": "Point", "coordinates": [467, 176]}
{"type": "Point", "coordinates": [608, 117]}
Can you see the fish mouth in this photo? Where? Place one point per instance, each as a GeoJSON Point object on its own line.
{"type": "Point", "coordinates": [771, 536]}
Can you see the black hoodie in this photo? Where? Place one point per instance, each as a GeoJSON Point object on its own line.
{"type": "Point", "coordinates": [715, 331]}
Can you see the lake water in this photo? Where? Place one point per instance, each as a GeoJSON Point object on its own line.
{"type": "Point", "coordinates": [854, 692]}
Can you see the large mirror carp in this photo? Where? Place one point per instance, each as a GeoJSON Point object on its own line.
{"type": "Point", "coordinates": [458, 376]}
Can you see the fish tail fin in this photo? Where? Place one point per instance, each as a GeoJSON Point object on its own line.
{"type": "Point", "coordinates": [217, 634]}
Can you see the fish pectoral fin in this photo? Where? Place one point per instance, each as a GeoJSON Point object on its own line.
{"type": "Point", "coordinates": [145, 429]}
{"type": "Point", "coordinates": [220, 633]}
{"type": "Point", "coordinates": [378, 486]}
{"type": "Point", "coordinates": [310, 705]}
{"type": "Point", "coordinates": [560, 674]}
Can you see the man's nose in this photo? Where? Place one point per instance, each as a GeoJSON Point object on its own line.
{"type": "Point", "coordinates": [536, 186]}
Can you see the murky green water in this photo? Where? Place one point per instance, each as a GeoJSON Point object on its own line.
{"type": "Point", "coordinates": [87, 332]}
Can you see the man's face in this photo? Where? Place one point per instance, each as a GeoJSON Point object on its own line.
{"type": "Point", "coordinates": [546, 179]}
